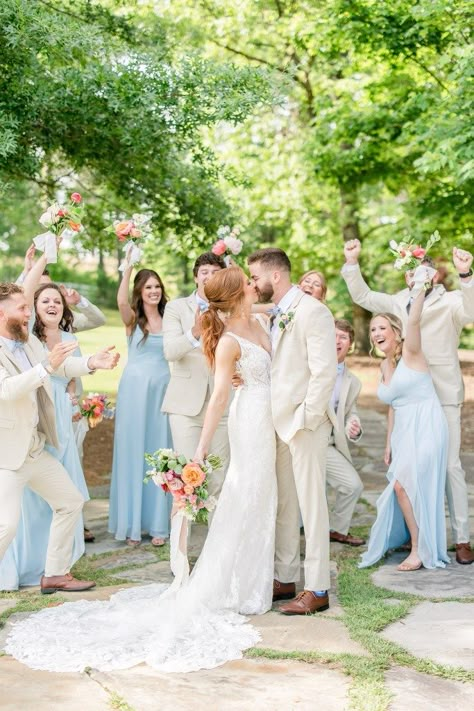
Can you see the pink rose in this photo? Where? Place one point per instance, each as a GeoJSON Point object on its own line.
{"type": "Point", "coordinates": [76, 197]}
{"type": "Point", "coordinates": [419, 252]}
{"type": "Point", "coordinates": [219, 248]}
{"type": "Point", "coordinates": [123, 229]}
{"type": "Point", "coordinates": [169, 476]}
{"type": "Point", "coordinates": [188, 489]}
{"type": "Point", "coordinates": [62, 212]}
{"type": "Point", "coordinates": [175, 485]}
{"type": "Point", "coordinates": [193, 499]}
{"type": "Point", "coordinates": [134, 232]}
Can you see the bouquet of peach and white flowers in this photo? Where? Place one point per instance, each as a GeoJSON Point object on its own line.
{"type": "Point", "coordinates": [131, 231]}
{"type": "Point", "coordinates": [228, 243]}
{"type": "Point", "coordinates": [185, 480]}
{"type": "Point", "coordinates": [409, 255]}
{"type": "Point", "coordinates": [92, 408]}
{"type": "Point", "coordinates": [56, 219]}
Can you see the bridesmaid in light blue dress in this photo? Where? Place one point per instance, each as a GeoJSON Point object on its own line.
{"type": "Point", "coordinates": [25, 558]}
{"type": "Point", "coordinates": [140, 426]}
{"type": "Point", "coordinates": [412, 505]}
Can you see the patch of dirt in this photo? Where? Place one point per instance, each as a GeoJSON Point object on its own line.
{"type": "Point", "coordinates": [98, 449]}
{"type": "Point", "coordinates": [98, 445]}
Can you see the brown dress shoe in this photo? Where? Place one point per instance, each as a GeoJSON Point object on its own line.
{"type": "Point", "coordinates": [350, 540]}
{"type": "Point", "coordinates": [64, 583]}
{"type": "Point", "coordinates": [306, 603]}
{"type": "Point", "coordinates": [283, 591]}
{"type": "Point", "coordinates": [464, 553]}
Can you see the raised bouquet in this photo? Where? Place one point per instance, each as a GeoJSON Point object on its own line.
{"type": "Point", "coordinates": [56, 219]}
{"type": "Point", "coordinates": [185, 480]}
{"type": "Point", "coordinates": [409, 255]}
{"type": "Point", "coordinates": [131, 231]}
{"type": "Point", "coordinates": [93, 408]}
{"type": "Point", "coordinates": [228, 243]}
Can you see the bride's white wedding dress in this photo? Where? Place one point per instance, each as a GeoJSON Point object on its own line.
{"type": "Point", "coordinates": [199, 625]}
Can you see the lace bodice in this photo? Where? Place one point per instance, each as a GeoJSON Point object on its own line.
{"type": "Point", "coordinates": [254, 363]}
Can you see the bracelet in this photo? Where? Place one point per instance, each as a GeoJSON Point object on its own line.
{"type": "Point", "coordinates": [467, 274]}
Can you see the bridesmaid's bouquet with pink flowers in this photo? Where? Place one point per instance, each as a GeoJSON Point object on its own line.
{"type": "Point", "coordinates": [228, 243]}
{"type": "Point", "coordinates": [409, 255]}
{"type": "Point", "coordinates": [92, 408]}
{"type": "Point", "coordinates": [56, 219]}
{"type": "Point", "coordinates": [185, 480]}
{"type": "Point", "coordinates": [131, 231]}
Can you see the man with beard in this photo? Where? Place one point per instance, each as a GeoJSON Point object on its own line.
{"type": "Point", "coordinates": [27, 422]}
{"type": "Point", "coordinates": [191, 381]}
{"type": "Point", "coordinates": [303, 376]}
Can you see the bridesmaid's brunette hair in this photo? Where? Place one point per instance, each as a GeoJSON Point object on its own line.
{"type": "Point", "coordinates": [66, 323]}
{"type": "Point", "coordinates": [225, 293]}
{"type": "Point", "coordinates": [396, 325]}
{"type": "Point", "coordinates": [136, 304]}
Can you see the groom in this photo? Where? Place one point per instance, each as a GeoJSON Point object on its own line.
{"type": "Point", "coordinates": [303, 376]}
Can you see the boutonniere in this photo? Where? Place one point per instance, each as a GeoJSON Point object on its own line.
{"type": "Point", "coordinates": [285, 320]}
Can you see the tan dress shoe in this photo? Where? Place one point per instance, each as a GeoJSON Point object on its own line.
{"type": "Point", "coordinates": [64, 583]}
{"type": "Point", "coordinates": [464, 553]}
{"type": "Point", "coordinates": [283, 591]}
{"type": "Point", "coordinates": [305, 603]}
{"type": "Point", "coordinates": [348, 539]}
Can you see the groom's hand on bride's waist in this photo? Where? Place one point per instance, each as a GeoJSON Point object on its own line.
{"type": "Point", "coordinates": [237, 380]}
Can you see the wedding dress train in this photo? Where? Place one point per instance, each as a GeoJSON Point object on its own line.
{"type": "Point", "coordinates": [201, 625]}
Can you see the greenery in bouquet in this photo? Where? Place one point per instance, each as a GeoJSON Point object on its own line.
{"type": "Point", "coordinates": [409, 255]}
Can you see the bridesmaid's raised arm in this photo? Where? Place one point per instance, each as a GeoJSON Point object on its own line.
{"type": "Point", "coordinates": [123, 302]}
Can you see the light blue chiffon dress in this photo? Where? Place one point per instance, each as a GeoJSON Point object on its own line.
{"type": "Point", "coordinates": [24, 561]}
{"type": "Point", "coordinates": [419, 445]}
{"type": "Point", "coordinates": [140, 427]}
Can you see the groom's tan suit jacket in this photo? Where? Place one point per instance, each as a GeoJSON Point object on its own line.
{"type": "Point", "coordinates": [303, 368]}
{"type": "Point", "coordinates": [444, 315]}
{"type": "Point", "coordinates": [17, 406]}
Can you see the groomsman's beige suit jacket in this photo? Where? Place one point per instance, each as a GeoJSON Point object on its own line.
{"type": "Point", "coordinates": [347, 410]}
{"type": "Point", "coordinates": [87, 317]}
{"type": "Point", "coordinates": [17, 407]}
{"type": "Point", "coordinates": [444, 315]}
{"type": "Point", "coordinates": [191, 379]}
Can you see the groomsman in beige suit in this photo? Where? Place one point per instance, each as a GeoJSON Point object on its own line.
{"type": "Point", "coordinates": [303, 376]}
{"type": "Point", "coordinates": [340, 472]}
{"type": "Point", "coordinates": [27, 421]}
{"type": "Point", "coordinates": [191, 381]}
{"type": "Point", "coordinates": [445, 313]}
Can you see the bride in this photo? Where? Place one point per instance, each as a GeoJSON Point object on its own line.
{"type": "Point", "coordinates": [200, 625]}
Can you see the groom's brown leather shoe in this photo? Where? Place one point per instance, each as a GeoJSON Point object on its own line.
{"type": "Point", "coordinates": [464, 554]}
{"type": "Point", "coordinates": [64, 583]}
{"type": "Point", "coordinates": [342, 538]}
{"type": "Point", "coordinates": [283, 591]}
{"type": "Point", "coordinates": [305, 603]}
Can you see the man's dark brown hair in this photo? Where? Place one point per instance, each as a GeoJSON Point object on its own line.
{"type": "Point", "coordinates": [271, 257]}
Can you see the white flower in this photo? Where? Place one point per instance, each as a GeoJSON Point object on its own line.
{"type": "Point", "coordinates": [157, 477]}
{"type": "Point", "coordinates": [211, 503]}
{"type": "Point", "coordinates": [393, 244]}
{"type": "Point", "coordinates": [50, 217]}
{"type": "Point", "coordinates": [233, 244]}
{"type": "Point", "coordinates": [398, 264]}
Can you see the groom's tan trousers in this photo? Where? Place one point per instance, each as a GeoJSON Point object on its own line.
{"type": "Point", "coordinates": [301, 475]}
{"type": "Point", "coordinates": [48, 478]}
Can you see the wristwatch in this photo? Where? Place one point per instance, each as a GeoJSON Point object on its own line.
{"type": "Point", "coordinates": [467, 274]}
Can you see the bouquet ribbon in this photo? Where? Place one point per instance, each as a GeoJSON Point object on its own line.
{"type": "Point", "coordinates": [46, 243]}
{"type": "Point", "coordinates": [179, 563]}
{"type": "Point", "coordinates": [133, 255]}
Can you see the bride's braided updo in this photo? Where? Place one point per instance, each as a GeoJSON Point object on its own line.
{"type": "Point", "coordinates": [225, 293]}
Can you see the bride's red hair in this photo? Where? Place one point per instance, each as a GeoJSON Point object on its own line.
{"type": "Point", "coordinates": [225, 293]}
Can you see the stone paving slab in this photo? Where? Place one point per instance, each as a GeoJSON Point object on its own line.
{"type": "Point", "coordinates": [135, 557]}
{"type": "Point", "coordinates": [7, 603]}
{"type": "Point", "coordinates": [421, 692]}
{"type": "Point", "coordinates": [24, 689]}
{"type": "Point", "coordinates": [154, 573]}
{"type": "Point", "coordinates": [305, 634]}
{"type": "Point", "coordinates": [453, 581]}
{"type": "Point", "coordinates": [260, 685]}
{"type": "Point", "coordinates": [442, 632]}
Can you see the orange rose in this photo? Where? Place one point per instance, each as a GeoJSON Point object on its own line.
{"type": "Point", "coordinates": [193, 474]}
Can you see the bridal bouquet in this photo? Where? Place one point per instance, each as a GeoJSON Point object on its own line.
{"type": "Point", "coordinates": [131, 231]}
{"type": "Point", "coordinates": [92, 407]}
{"type": "Point", "coordinates": [56, 219]}
{"type": "Point", "coordinates": [228, 243]}
{"type": "Point", "coordinates": [409, 255]}
{"type": "Point", "coordinates": [186, 481]}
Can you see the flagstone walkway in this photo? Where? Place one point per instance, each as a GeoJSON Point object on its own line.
{"type": "Point", "coordinates": [389, 640]}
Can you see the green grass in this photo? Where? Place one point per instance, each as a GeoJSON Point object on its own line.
{"type": "Point", "coordinates": [112, 334]}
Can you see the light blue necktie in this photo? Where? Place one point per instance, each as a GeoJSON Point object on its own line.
{"type": "Point", "coordinates": [274, 312]}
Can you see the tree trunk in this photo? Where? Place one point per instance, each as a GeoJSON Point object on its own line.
{"type": "Point", "coordinates": [351, 230]}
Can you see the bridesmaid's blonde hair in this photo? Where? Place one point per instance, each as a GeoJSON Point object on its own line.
{"type": "Point", "coordinates": [397, 326]}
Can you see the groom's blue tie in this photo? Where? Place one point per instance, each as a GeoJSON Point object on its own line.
{"type": "Point", "coordinates": [273, 312]}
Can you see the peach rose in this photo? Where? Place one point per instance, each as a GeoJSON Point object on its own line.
{"type": "Point", "coordinates": [123, 229]}
{"type": "Point", "coordinates": [193, 474]}
{"type": "Point", "coordinates": [188, 489]}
